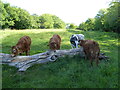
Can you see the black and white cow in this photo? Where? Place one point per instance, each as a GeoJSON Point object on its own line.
{"type": "Point", "coordinates": [75, 40]}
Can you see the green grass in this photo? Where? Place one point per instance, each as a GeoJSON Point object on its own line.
{"type": "Point", "coordinates": [67, 72]}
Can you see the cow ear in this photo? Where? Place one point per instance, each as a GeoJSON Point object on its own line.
{"type": "Point", "coordinates": [19, 47]}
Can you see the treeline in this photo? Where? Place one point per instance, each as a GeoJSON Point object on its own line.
{"type": "Point", "coordinates": [106, 20]}
{"type": "Point", "coordinates": [17, 18]}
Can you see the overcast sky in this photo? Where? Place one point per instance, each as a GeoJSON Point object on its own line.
{"type": "Point", "coordinates": [70, 11]}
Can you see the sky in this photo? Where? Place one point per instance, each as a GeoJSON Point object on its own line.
{"type": "Point", "coordinates": [70, 11]}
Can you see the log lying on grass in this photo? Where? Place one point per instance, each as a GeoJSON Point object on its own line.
{"type": "Point", "coordinates": [24, 62]}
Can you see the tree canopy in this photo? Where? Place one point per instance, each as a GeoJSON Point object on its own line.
{"type": "Point", "coordinates": [17, 18]}
{"type": "Point", "coordinates": [106, 20]}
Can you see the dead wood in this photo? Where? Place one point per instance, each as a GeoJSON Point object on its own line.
{"type": "Point", "coordinates": [24, 62]}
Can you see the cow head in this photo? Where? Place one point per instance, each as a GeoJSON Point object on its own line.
{"type": "Point", "coordinates": [82, 42]}
{"type": "Point", "coordinates": [53, 46]}
{"type": "Point", "coordinates": [73, 40]}
{"type": "Point", "coordinates": [15, 51]}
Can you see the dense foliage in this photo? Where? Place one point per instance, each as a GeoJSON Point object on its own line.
{"type": "Point", "coordinates": [17, 18]}
{"type": "Point", "coordinates": [106, 19]}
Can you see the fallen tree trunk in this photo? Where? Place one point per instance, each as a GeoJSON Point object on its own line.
{"type": "Point", "coordinates": [24, 62]}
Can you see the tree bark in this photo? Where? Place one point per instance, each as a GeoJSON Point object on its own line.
{"type": "Point", "coordinates": [24, 62]}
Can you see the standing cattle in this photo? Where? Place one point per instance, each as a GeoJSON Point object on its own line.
{"type": "Point", "coordinates": [75, 40]}
{"type": "Point", "coordinates": [22, 46]}
{"type": "Point", "coordinates": [54, 43]}
{"type": "Point", "coordinates": [91, 49]}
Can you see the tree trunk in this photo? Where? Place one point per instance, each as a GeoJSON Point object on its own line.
{"type": "Point", "coordinates": [24, 62]}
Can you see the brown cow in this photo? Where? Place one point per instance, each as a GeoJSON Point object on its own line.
{"type": "Point", "coordinates": [54, 43]}
{"type": "Point", "coordinates": [22, 46]}
{"type": "Point", "coordinates": [91, 49]}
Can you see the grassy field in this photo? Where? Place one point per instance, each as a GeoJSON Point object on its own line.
{"type": "Point", "coordinates": [65, 72]}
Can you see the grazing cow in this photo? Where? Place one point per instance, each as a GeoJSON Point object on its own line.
{"type": "Point", "coordinates": [54, 43]}
{"type": "Point", "coordinates": [91, 49]}
{"type": "Point", "coordinates": [22, 46]}
{"type": "Point", "coordinates": [75, 40]}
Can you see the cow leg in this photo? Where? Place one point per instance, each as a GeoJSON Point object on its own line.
{"type": "Point", "coordinates": [20, 54]}
{"type": "Point", "coordinates": [76, 42]}
{"type": "Point", "coordinates": [91, 60]}
{"type": "Point", "coordinates": [27, 53]}
{"type": "Point", "coordinates": [72, 46]}
{"type": "Point", "coordinates": [58, 46]}
{"type": "Point", "coordinates": [97, 61]}
{"type": "Point", "coordinates": [86, 55]}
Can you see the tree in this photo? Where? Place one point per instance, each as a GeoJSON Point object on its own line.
{"type": "Point", "coordinates": [72, 26]}
{"type": "Point", "coordinates": [112, 19]}
{"type": "Point", "coordinates": [25, 20]}
{"type": "Point", "coordinates": [35, 21]}
{"type": "Point", "coordinates": [88, 24]}
{"type": "Point", "coordinates": [99, 20]}
{"type": "Point", "coordinates": [58, 23]}
{"type": "Point", "coordinates": [106, 19]}
{"type": "Point", "coordinates": [8, 17]}
{"type": "Point", "coordinates": [82, 26]}
{"type": "Point", "coordinates": [12, 15]}
{"type": "Point", "coordinates": [17, 18]}
{"type": "Point", "coordinates": [46, 21]}
{"type": "Point", "coordinates": [3, 14]}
